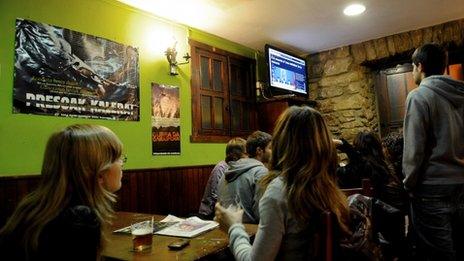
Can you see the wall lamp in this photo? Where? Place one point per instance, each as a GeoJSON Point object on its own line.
{"type": "Point", "coordinates": [171, 54]}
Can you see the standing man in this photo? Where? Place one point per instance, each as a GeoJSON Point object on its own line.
{"type": "Point", "coordinates": [433, 156]}
{"type": "Point", "coordinates": [239, 184]}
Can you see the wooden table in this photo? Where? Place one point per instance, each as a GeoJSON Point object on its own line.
{"type": "Point", "coordinates": [204, 245]}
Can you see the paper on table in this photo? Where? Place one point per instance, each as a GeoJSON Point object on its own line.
{"type": "Point", "coordinates": [189, 227]}
{"type": "Point", "coordinates": [157, 226]}
{"type": "Point", "coordinates": [172, 218]}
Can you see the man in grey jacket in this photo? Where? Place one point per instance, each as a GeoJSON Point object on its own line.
{"type": "Point", "coordinates": [239, 185]}
{"type": "Point", "coordinates": [235, 150]}
{"type": "Point", "coordinates": [433, 159]}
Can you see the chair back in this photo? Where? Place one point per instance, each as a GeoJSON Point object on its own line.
{"type": "Point", "coordinates": [327, 236]}
{"type": "Point", "coordinates": [323, 246]}
{"type": "Point", "coordinates": [366, 189]}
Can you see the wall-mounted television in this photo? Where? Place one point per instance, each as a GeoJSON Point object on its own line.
{"type": "Point", "coordinates": [287, 72]}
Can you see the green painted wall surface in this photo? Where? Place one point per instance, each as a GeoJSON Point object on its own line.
{"type": "Point", "coordinates": [23, 137]}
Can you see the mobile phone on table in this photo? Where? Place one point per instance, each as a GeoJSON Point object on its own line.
{"type": "Point", "coordinates": [179, 244]}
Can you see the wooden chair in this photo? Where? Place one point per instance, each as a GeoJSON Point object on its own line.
{"type": "Point", "coordinates": [323, 240]}
{"type": "Point", "coordinates": [327, 236]}
{"type": "Point", "coordinates": [366, 189]}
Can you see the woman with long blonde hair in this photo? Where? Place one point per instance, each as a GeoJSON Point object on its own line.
{"type": "Point", "coordinates": [64, 217]}
{"type": "Point", "coordinates": [300, 186]}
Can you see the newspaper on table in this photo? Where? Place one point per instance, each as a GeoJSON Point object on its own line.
{"type": "Point", "coordinates": [190, 227]}
{"type": "Point", "coordinates": [176, 227]}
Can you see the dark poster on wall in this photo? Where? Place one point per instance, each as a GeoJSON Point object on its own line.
{"type": "Point", "coordinates": [165, 119]}
{"type": "Point", "coordinates": [66, 73]}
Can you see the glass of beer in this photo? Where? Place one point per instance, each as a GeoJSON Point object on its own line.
{"type": "Point", "coordinates": [142, 235]}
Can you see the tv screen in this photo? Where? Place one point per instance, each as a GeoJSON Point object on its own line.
{"type": "Point", "coordinates": [287, 72]}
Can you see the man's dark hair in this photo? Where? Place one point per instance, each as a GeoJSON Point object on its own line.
{"type": "Point", "coordinates": [258, 139]}
{"type": "Point", "coordinates": [432, 57]}
{"type": "Point", "coordinates": [393, 142]}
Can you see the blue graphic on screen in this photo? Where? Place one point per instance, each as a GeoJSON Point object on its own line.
{"type": "Point", "coordinates": [287, 72]}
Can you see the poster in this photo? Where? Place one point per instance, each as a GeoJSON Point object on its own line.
{"type": "Point", "coordinates": [66, 73]}
{"type": "Point", "coordinates": [165, 119]}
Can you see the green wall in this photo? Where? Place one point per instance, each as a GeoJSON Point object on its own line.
{"type": "Point", "coordinates": [23, 137]}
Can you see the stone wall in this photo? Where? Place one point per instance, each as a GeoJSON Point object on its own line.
{"type": "Point", "coordinates": [344, 89]}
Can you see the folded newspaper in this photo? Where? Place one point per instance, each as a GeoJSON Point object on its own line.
{"type": "Point", "coordinates": [177, 227]}
{"type": "Point", "coordinates": [190, 227]}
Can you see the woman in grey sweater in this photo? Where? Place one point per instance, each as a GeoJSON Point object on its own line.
{"type": "Point", "coordinates": [301, 184]}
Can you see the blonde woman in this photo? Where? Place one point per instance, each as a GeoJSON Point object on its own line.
{"type": "Point", "coordinates": [300, 186]}
{"type": "Point", "coordinates": [63, 218]}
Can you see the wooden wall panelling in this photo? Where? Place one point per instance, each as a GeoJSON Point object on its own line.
{"type": "Point", "coordinates": [184, 195]}
{"type": "Point", "coordinates": [164, 205]}
{"type": "Point", "coordinates": [164, 191]}
{"type": "Point", "coordinates": [12, 190]}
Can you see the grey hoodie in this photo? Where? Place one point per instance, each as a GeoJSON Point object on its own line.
{"type": "Point", "coordinates": [434, 133]}
{"type": "Point", "coordinates": [238, 185]}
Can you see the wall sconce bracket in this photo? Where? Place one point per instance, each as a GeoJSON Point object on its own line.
{"type": "Point", "coordinates": [171, 54]}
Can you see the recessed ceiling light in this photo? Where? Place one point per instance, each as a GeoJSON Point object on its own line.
{"type": "Point", "coordinates": [354, 9]}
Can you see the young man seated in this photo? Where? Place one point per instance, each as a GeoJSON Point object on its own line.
{"type": "Point", "coordinates": [239, 183]}
{"type": "Point", "coordinates": [235, 150]}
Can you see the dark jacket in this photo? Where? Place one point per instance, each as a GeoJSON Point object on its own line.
{"type": "Point", "coordinates": [73, 235]}
{"type": "Point", "coordinates": [386, 186]}
{"type": "Point", "coordinates": [359, 168]}
{"type": "Point", "coordinates": [433, 151]}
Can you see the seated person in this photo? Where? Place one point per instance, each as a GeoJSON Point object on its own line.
{"type": "Point", "coordinates": [235, 150]}
{"type": "Point", "coordinates": [393, 145]}
{"type": "Point", "coordinates": [238, 185]}
{"type": "Point", "coordinates": [300, 186]}
{"type": "Point", "coordinates": [65, 216]}
{"type": "Point", "coordinates": [367, 160]}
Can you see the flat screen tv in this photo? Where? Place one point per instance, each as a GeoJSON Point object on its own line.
{"type": "Point", "coordinates": [287, 72]}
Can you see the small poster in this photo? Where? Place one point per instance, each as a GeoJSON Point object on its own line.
{"type": "Point", "coordinates": [66, 73]}
{"type": "Point", "coordinates": [165, 120]}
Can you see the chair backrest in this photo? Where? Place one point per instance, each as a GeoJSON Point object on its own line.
{"type": "Point", "coordinates": [323, 244]}
{"type": "Point", "coordinates": [327, 239]}
{"type": "Point", "coordinates": [366, 189]}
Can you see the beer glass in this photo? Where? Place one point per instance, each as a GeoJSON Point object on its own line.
{"type": "Point", "coordinates": [142, 235]}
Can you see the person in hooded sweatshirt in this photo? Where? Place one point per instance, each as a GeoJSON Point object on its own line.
{"type": "Point", "coordinates": [433, 156]}
{"type": "Point", "coordinates": [301, 185]}
{"type": "Point", "coordinates": [238, 186]}
{"type": "Point", "coordinates": [235, 150]}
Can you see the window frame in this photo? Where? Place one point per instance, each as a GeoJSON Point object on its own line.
{"type": "Point", "coordinates": [204, 135]}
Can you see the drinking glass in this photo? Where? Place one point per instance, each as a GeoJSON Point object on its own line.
{"type": "Point", "coordinates": [142, 235]}
{"type": "Point", "coordinates": [232, 203]}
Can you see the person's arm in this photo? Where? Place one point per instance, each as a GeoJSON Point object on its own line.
{"type": "Point", "coordinates": [268, 238]}
{"type": "Point", "coordinates": [211, 191]}
{"type": "Point", "coordinates": [216, 177]}
{"type": "Point", "coordinates": [349, 150]}
{"type": "Point", "coordinates": [416, 123]}
{"type": "Point", "coordinates": [259, 191]}
{"type": "Point", "coordinates": [349, 176]}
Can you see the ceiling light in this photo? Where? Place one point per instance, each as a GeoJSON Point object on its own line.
{"type": "Point", "coordinates": [354, 9]}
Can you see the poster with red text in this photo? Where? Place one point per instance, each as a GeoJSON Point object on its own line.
{"type": "Point", "coordinates": [165, 120]}
{"type": "Point", "coordinates": [65, 73]}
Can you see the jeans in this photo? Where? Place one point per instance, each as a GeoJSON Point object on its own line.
{"type": "Point", "coordinates": [437, 214]}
